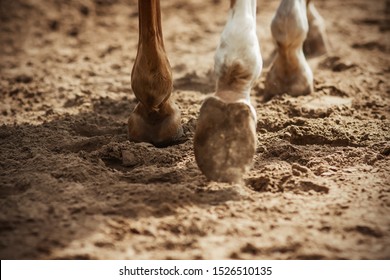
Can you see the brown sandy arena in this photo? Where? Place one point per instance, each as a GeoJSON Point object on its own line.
{"type": "Point", "coordinates": [73, 187]}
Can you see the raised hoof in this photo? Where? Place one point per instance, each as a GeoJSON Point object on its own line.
{"type": "Point", "coordinates": [225, 140]}
{"type": "Point", "coordinates": [161, 130]}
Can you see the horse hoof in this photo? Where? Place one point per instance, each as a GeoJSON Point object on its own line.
{"type": "Point", "coordinates": [225, 140]}
{"type": "Point", "coordinates": [161, 128]}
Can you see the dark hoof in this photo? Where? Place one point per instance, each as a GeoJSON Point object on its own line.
{"type": "Point", "coordinates": [225, 140]}
{"type": "Point", "coordinates": [161, 130]}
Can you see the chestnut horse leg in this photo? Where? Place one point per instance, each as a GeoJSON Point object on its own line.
{"type": "Point", "coordinates": [156, 118]}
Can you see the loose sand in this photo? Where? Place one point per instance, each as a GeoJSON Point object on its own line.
{"type": "Point", "coordinates": [73, 187]}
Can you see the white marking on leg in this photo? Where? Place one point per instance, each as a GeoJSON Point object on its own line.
{"type": "Point", "coordinates": [225, 136]}
{"type": "Point", "coordinates": [290, 72]}
{"type": "Point", "coordinates": [238, 61]}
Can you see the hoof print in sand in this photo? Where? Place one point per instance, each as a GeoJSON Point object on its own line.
{"type": "Point", "coordinates": [225, 140]}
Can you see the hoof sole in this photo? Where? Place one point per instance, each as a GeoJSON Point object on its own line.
{"type": "Point", "coordinates": [225, 140]}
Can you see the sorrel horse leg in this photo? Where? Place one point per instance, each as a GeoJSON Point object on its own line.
{"type": "Point", "coordinates": [156, 118]}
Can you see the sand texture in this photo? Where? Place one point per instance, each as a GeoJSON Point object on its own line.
{"type": "Point", "coordinates": [73, 187]}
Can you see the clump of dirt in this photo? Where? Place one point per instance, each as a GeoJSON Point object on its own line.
{"type": "Point", "coordinates": [73, 187]}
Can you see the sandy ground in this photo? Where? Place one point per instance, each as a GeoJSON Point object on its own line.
{"type": "Point", "coordinates": [73, 187]}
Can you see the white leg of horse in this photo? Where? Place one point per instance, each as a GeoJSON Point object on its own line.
{"type": "Point", "coordinates": [316, 43]}
{"type": "Point", "coordinates": [290, 72]}
{"type": "Point", "coordinates": [225, 137]}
